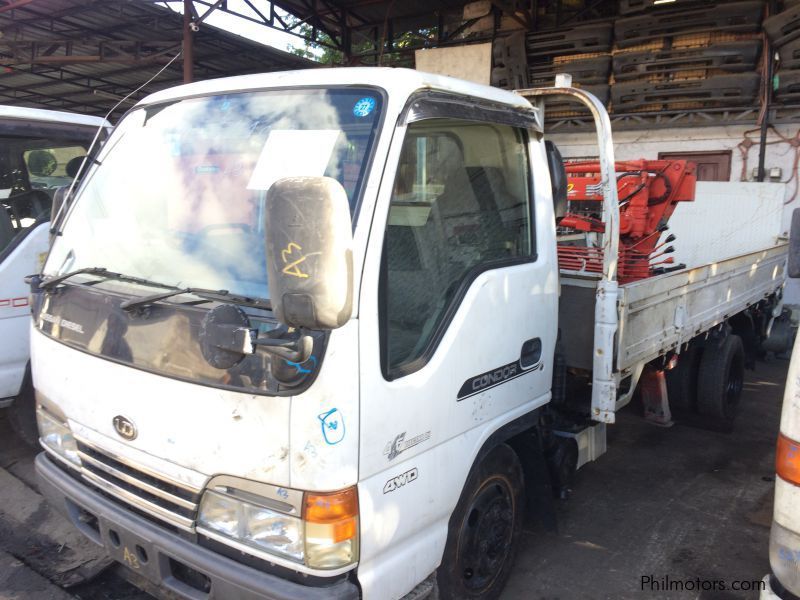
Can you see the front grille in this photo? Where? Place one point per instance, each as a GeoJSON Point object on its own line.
{"type": "Point", "coordinates": [167, 500]}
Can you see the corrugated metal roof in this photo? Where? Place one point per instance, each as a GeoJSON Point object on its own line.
{"type": "Point", "coordinates": [85, 55]}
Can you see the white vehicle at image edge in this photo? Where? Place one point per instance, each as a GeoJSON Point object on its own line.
{"type": "Point", "coordinates": [38, 151]}
{"type": "Point", "coordinates": [297, 335]}
{"type": "Point", "coordinates": [784, 541]}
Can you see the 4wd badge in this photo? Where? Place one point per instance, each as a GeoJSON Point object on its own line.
{"type": "Point", "coordinates": [400, 480]}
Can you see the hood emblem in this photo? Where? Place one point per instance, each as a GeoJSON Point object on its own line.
{"type": "Point", "coordinates": [125, 427]}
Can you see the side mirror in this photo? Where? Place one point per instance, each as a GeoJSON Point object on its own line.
{"type": "Point", "coordinates": [558, 178]}
{"type": "Point", "coordinates": [309, 252]}
{"type": "Point", "coordinates": [794, 245]}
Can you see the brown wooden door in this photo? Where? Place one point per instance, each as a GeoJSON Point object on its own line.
{"type": "Point", "coordinates": [711, 166]}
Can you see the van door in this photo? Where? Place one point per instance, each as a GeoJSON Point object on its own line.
{"type": "Point", "coordinates": [459, 337]}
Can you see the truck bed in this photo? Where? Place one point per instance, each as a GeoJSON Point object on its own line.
{"type": "Point", "coordinates": [659, 313]}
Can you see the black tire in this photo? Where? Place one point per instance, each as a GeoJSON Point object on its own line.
{"type": "Point", "coordinates": [720, 382]}
{"type": "Point", "coordinates": [682, 380]}
{"type": "Point", "coordinates": [484, 529]}
{"type": "Point", "coordinates": [22, 412]}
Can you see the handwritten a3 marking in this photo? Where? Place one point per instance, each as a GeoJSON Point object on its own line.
{"type": "Point", "coordinates": [292, 263]}
{"type": "Point", "coordinates": [332, 426]}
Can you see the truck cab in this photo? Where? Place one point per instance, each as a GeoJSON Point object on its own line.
{"type": "Point", "coordinates": [40, 151]}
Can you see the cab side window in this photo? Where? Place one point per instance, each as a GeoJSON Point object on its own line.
{"type": "Point", "coordinates": [460, 206]}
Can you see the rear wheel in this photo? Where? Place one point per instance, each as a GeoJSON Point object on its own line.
{"type": "Point", "coordinates": [720, 382]}
{"type": "Point", "coordinates": [484, 529]}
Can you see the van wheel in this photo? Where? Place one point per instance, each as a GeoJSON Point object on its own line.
{"type": "Point", "coordinates": [483, 534]}
{"type": "Point", "coordinates": [682, 380]}
{"type": "Point", "coordinates": [720, 382]}
{"type": "Point", "coordinates": [22, 412]}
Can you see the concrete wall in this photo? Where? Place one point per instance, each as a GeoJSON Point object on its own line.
{"type": "Point", "coordinates": [647, 144]}
{"type": "Point", "coordinates": [472, 62]}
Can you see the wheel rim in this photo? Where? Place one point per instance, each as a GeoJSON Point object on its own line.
{"type": "Point", "coordinates": [485, 535]}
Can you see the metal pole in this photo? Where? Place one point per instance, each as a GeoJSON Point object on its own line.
{"type": "Point", "coordinates": [188, 43]}
{"type": "Point", "coordinates": [762, 149]}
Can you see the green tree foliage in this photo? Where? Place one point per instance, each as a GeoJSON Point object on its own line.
{"type": "Point", "coordinates": [366, 52]}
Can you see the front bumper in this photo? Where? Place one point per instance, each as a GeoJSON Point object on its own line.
{"type": "Point", "coordinates": [773, 590]}
{"type": "Point", "coordinates": [165, 558]}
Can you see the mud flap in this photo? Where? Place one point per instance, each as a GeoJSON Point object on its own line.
{"type": "Point", "coordinates": [539, 489]}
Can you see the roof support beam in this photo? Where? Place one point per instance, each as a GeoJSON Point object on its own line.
{"type": "Point", "coordinates": [35, 52]}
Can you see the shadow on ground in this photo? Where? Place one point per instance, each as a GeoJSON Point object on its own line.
{"type": "Point", "coordinates": [676, 502]}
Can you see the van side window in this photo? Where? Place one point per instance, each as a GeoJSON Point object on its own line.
{"type": "Point", "coordinates": [460, 205]}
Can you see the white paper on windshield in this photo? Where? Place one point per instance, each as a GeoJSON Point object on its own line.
{"type": "Point", "coordinates": [291, 153]}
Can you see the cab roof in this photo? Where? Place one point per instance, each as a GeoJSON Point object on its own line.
{"type": "Point", "coordinates": [397, 82]}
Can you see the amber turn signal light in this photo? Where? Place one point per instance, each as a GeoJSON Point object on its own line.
{"type": "Point", "coordinates": [787, 459]}
{"type": "Point", "coordinates": [338, 510]}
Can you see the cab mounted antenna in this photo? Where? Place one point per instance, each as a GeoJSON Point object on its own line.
{"type": "Point", "coordinates": [54, 228]}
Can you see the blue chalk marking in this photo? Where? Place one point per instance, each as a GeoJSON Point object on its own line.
{"type": "Point", "coordinates": [788, 555]}
{"type": "Point", "coordinates": [364, 106]}
{"type": "Point", "coordinates": [299, 368]}
{"type": "Point", "coordinates": [332, 426]}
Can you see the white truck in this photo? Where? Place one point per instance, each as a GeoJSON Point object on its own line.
{"type": "Point", "coordinates": [40, 151]}
{"type": "Point", "coordinates": [296, 336]}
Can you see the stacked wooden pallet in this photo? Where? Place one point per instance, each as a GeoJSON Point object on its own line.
{"type": "Point", "coordinates": [583, 51]}
{"type": "Point", "coordinates": [783, 30]}
{"type": "Point", "coordinates": [687, 54]}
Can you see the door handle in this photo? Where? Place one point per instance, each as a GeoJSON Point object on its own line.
{"type": "Point", "coordinates": [531, 353]}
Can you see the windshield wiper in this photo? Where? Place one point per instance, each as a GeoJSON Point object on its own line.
{"type": "Point", "coordinates": [53, 281]}
{"type": "Point", "coordinates": [220, 295]}
{"type": "Point", "coordinates": [102, 271]}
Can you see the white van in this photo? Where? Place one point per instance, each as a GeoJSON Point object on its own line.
{"type": "Point", "coordinates": [40, 151]}
{"type": "Point", "coordinates": [784, 541]}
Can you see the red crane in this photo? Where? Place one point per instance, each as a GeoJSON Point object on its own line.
{"type": "Point", "coordinates": [648, 192]}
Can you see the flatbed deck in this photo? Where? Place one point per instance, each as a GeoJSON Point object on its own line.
{"type": "Point", "coordinates": [658, 314]}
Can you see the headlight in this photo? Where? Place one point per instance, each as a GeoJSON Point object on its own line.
{"type": "Point", "coordinates": [326, 537]}
{"type": "Point", "coordinates": [784, 557]}
{"type": "Point", "coordinates": [255, 525]}
{"type": "Point", "coordinates": [57, 437]}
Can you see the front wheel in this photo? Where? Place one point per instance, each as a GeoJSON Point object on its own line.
{"type": "Point", "coordinates": [483, 533]}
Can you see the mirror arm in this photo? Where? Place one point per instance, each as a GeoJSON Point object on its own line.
{"type": "Point", "coordinates": [298, 350]}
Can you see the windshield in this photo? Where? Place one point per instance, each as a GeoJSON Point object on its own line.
{"type": "Point", "coordinates": [178, 196]}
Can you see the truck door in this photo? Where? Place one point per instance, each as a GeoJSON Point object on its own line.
{"type": "Point", "coordinates": [458, 311]}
